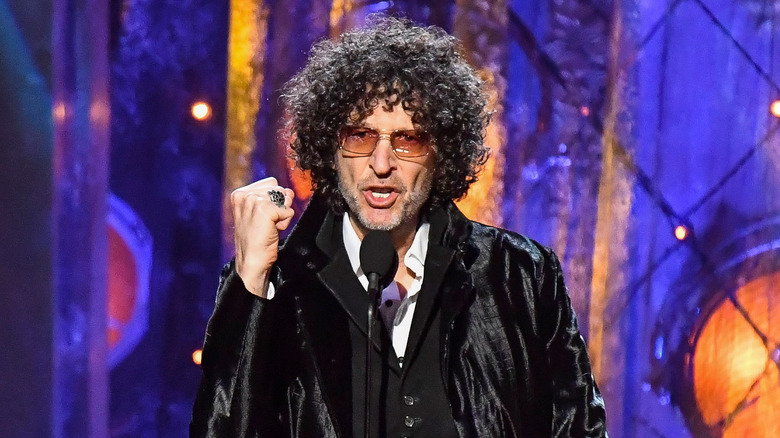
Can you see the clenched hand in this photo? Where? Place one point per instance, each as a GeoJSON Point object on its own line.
{"type": "Point", "coordinates": [258, 222]}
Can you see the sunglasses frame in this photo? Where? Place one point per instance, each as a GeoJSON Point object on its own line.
{"type": "Point", "coordinates": [390, 136]}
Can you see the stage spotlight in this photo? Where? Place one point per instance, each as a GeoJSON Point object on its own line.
{"type": "Point", "coordinates": [585, 111]}
{"type": "Point", "coordinates": [681, 232]}
{"type": "Point", "coordinates": [201, 111]}
{"type": "Point", "coordinates": [775, 108]}
{"type": "Point", "coordinates": [196, 356]}
{"type": "Point", "coordinates": [59, 111]}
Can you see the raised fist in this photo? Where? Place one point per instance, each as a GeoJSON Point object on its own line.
{"type": "Point", "coordinates": [260, 211]}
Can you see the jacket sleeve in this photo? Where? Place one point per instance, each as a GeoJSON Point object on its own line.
{"type": "Point", "coordinates": [578, 409]}
{"type": "Point", "coordinates": [234, 364]}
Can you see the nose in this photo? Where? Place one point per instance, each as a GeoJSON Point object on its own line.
{"type": "Point", "coordinates": [383, 160]}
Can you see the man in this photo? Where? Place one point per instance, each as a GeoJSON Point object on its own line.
{"type": "Point", "coordinates": [477, 336]}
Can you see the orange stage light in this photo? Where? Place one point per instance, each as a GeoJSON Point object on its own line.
{"type": "Point", "coordinates": [201, 111]}
{"type": "Point", "coordinates": [197, 355]}
{"type": "Point", "coordinates": [681, 233]}
{"type": "Point", "coordinates": [775, 108]}
{"type": "Point", "coordinates": [735, 376]}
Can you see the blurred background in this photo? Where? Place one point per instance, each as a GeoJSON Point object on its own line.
{"type": "Point", "coordinates": [637, 138]}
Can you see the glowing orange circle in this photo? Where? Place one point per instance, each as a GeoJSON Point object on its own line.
{"type": "Point", "coordinates": [681, 233]}
{"type": "Point", "coordinates": [775, 108]}
{"type": "Point", "coordinates": [201, 111]}
{"type": "Point", "coordinates": [197, 355]}
{"type": "Point", "coordinates": [735, 376]}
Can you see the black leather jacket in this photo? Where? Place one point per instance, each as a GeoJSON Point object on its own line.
{"type": "Point", "coordinates": [514, 362]}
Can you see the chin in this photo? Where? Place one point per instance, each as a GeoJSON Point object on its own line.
{"type": "Point", "coordinates": [376, 223]}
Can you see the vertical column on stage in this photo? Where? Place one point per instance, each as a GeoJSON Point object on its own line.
{"type": "Point", "coordinates": [607, 328]}
{"type": "Point", "coordinates": [482, 27]}
{"type": "Point", "coordinates": [246, 63]}
{"type": "Point", "coordinates": [577, 40]}
{"type": "Point", "coordinates": [81, 115]}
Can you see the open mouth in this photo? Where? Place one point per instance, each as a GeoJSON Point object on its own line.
{"type": "Point", "coordinates": [380, 197]}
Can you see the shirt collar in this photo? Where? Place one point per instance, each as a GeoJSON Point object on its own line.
{"type": "Point", "coordinates": [414, 259]}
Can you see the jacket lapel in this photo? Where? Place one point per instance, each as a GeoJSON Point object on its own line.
{"type": "Point", "coordinates": [342, 283]}
{"type": "Point", "coordinates": [332, 352]}
{"type": "Point", "coordinates": [436, 263]}
{"type": "Point", "coordinates": [324, 321]}
{"type": "Point", "coordinates": [453, 230]}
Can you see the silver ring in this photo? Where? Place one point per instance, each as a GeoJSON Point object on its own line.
{"type": "Point", "coordinates": [277, 197]}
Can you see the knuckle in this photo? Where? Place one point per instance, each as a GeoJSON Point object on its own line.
{"type": "Point", "coordinates": [235, 200]}
{"type": "Point", "coordinates": [238, 194]}
{"type": "Point", "coordinates": [268, 181]}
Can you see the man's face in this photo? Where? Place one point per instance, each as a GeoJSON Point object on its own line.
{"type": "Point", "coordinates": [382, 191]}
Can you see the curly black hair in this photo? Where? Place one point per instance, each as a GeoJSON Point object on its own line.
{"type": "Point", "coordinates": [390, 61]}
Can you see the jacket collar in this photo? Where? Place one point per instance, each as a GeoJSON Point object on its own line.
{"type": "Point", "coordinates": [307, 238]}
{"type": "Point", "coordinates": [313, 234]}
{"type": "Point", "coordinates": [453, 231]}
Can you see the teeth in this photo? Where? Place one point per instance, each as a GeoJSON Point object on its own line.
{"type": "Point", "coordinates": [380, 195]}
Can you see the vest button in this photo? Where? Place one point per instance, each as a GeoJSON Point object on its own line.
{"type": "Point", "coordinates": [408, 400]}
{"type": "Point", "coordinates": [408, 421]}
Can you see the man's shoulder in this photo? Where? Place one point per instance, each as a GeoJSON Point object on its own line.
{"type": "Point", "coordinates": [514, 266]}
{"type": "Point", "coordinates": [494, 239]}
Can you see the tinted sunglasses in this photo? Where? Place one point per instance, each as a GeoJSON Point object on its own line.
{"type": "Point", "coordinates": [406, 143]}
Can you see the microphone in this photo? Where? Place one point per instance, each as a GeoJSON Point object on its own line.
{"type": "Point", "coordinates": [379, 262]}
{"type": "Point", "coordinates": [378, 259]}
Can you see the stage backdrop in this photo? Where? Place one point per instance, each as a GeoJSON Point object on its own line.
{"type": "Point", "coordinates": [636, 139]}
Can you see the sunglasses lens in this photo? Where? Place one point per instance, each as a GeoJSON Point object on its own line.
{"type": "Point", "coordinates": [410, 143]}
{"type": "Point", "coordinates": [358, 140]}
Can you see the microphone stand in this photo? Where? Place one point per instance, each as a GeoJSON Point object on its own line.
{"type": "Point", "coordinates": [378, 259]}
{"type": "Point", "coordinates": [373, 298]}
